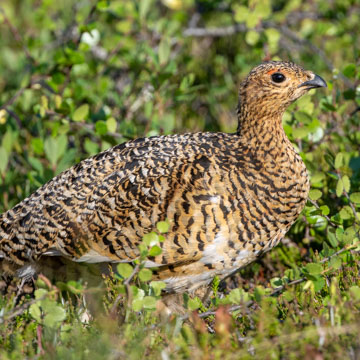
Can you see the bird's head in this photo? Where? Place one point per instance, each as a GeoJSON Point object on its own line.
{"type": "Point", "coordinates": [272, 86]}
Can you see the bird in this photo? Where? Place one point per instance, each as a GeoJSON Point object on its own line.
{"type": "Point", "coordinates": [228, 197]}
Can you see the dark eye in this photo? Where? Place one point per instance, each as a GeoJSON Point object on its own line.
{"type": "Point", "coordinates": [277, 77]}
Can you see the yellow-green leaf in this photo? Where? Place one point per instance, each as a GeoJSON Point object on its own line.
{"type": "Point", "coordinates": [355, 197]}
{"type": "Point", "coordinates": [313, 268]}
{"type": "Point", "coordinates": [315, 194]}
{"type": "Point", "coordinates": [4, 159]}
{"type": "Point", "coordinates": [151, 239]}
{"type": "Point", "coordinates": [81, 113]}
{"type": "Point", "coordinates": [339, 188]}
{"type": "Point", "coordinates": [124, 269]}
{"type": "Point", "coordinates": [163, 226]}
{"type": "Point", "coordinates": [155, 251]}
{"type": "Point", "coordinates": [145, 274]}
{"type": "Point", "coordinates": [111, 124]}
{"type": "Point", "coordinates": [346, 213]}
{"type": "Point", "coordinates": [338, 160]}
{"type": "Point", "coordinates": [346, 182]}
{"type": "Point", "coordinates": [252, 37]}
{"type": "Point", "coordinates": [164, 51]}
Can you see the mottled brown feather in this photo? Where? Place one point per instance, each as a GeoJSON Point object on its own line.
{"type": "Point", "coordinates": [228, 197]}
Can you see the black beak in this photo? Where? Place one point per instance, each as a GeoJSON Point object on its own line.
{"type": "Point", "coordinates": [316, 82]}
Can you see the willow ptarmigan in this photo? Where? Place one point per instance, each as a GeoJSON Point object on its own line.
{"type": "Point", "coordinates": [228, 197]}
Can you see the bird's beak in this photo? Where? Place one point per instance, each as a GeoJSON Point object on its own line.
{"type": "Point", "coordinates": [316, 82]}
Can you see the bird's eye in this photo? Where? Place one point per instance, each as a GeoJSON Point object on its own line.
{"type": "Point", "coordinates": [278, 77]}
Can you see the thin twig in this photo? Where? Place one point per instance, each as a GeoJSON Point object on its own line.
{"type": "Point", "coordinates": [128, 290]}
{"type": "Point", "coordinates": [214, 31]}
{"type": "Point", "coordinates": [19, 310]}
{"type": "Point", "coordinates": [325, 216]}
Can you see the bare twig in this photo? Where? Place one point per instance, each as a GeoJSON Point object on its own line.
{"type": "Point", "coordinates": [215, 31]}
{"type": "Point", "coordinates": [39, 339]}
{"type": "Point", "coordinates": [325, 216]}
{"type": "Point", "coordinates": [19, 309]}
{"type": "Point", "coordinates": [128, 290]}
{"type": "Point", "coordinates": [14, 97]}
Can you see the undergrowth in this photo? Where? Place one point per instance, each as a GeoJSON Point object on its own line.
{"type": "Point", "coordinates": [77, 77]}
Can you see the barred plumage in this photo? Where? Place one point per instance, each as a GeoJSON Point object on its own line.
{"type": "Point", "coordinates": [228, 197]}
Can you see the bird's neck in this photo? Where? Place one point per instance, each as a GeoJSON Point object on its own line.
{"type": "Point", "coordinates": [262, 127]}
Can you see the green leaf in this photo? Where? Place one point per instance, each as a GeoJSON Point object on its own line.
{"type": "Point", "coordinates": [350, 71]}
{"type": "Point", "coordinates": [54, 316]}
{"type": "Point", "coordinates": [315, 194]}
{"type": "Point", "coordinates": [36, 164]}
{"type": "Point", "coordinates": [350, 233]}
{"type": "Point", "coordinates": [313, 268]}
{"type": "Point", "coordinates": [346, 182]}
{"type": "Point", "coordinates": [163, 226]}
{"type": "Point", "coordinates": [164, 51]}
{"type": "Point", "coordinates": [124, 269]}
{"type": "Point", "coordinates": [144, 7]}
{"type": "Point", "coordinates": [319, 283]}
{"type": "Point", "coordinates": [91, 147]}
{"type": "Point", "coordinates": [7, 141]}
{"type": "Point", "coordinates": [145, 274]}
{"type": "Point", "coordinates": [273, 36]}
{"type": "Point", "coordinates": [335, 262]}
{"type": "Point", "coordinates": [111, 124]}
{"type": "Point", "coordinates": [155, 251]}
{"type": "Point", "coordinates": [300, 132]}
{"type": "Point", "coordinates": [101, 127]}
{"type": "Point", "coordinates": [137, 304]}
{"type": "Point", "coordinates": [355, 197]}
{"type": "Point", "coordinates": [331, 236]}
{"type": "Point", "coordinates": [237, 296]}
{"type": "Point", "coordinates": [252, 37]}
{"type": "Point", "coordinates": [288, 296]}
{"type": "Point", "coordinates": [55, 148]}
{"type": "Point", "coordinates": [40, 293]}
{"type": "Point", "coordinates": [355, 292]}
{"type": "Point", "coordinates": [339, 160]}
{"type": "Point", "coordinates": [35, 312]}
{"type": "Point", "coordinates": [37, 145]}
{"type": "Point", "coordinates": [346, 213]}
{"type": "Point", "coordinates": [151, 239]}
{"type": "Point", "coordinates": [149, 302]}
{"type": "Point", "coordinates": [339, 233]}
{"type": "Point", "coordinates": [325, 210]}
{"type": "Point", "coordinates": [339, 188]}
{"type": "Point", "coordinates": [158, 286]}
{"type": "Point", "coordinates": [194, 304]}
{"type": "Point", "coordinates": [81, 113]}
{"type": "Point", "coordinates": [4, 159]}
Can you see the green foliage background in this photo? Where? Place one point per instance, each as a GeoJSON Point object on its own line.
{"type": "Point", "coordinates": [77, 77]}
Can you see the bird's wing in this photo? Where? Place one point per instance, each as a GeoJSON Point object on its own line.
{"type": "Point", "coordinates": [129, 202]}
{"type": "Point", "coordinates": [100, 209]}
